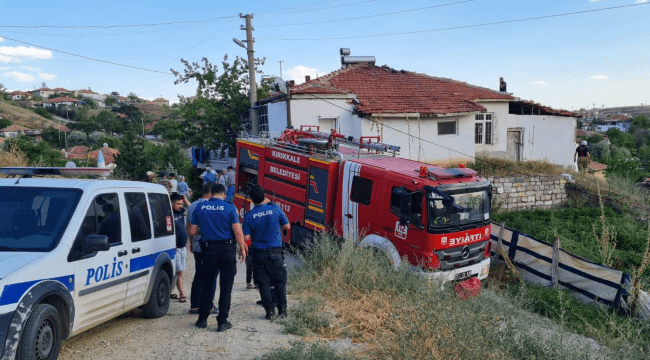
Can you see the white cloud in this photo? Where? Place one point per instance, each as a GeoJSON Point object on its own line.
{"type": "Point", "coordinates": [538, 83]}
{"type": "Point", "coordinates": [45, 76]}
{"type": "Point", "coordinates": [1, 39]}
{"type": "Point", "coordinates": [298, 73]}
{"type": "Point", "coordinates": [15, 53]}
{"type": "Point", "coordinates": [599, 77]}
{"type": "Point", "coordinates": [18, 76]}
{"type": "Point", "coordinates": [30, 68]}
{"type": "Point", "coordinates": [2, 68]}
{"type": "Point", "coordinates": [641, 1]}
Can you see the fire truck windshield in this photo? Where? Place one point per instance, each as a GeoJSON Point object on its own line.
{"type": "Point", "coordinates": [456, 208]}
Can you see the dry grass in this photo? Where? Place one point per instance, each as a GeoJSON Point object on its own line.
{"type": "Point", "coordinates": [24, 117]}
{"type": "Point", "coordinates": [638, 272]}
{"type": "Point", "coordinates": [487, 166]}
{"type": "Point", "coordinates": [607, 239]}
{"type": "Point", "coordinates": [12, 157]}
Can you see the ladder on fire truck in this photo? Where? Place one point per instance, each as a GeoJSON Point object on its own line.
{"type": "Point", "coordinates": [310, 140]}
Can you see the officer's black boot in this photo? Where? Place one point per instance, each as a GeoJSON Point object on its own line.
{"type": "Point", "coordinates": [270, 313]}
{"type": "Point", "coordinates": [282, 313]}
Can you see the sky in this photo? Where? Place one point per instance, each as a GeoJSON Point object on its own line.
{"type": "Point", "coordinates": [570, 62]}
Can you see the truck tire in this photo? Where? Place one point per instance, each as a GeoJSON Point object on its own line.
{"type": "Point", "coordinates": [159, 300]}
{"type": "Point", "coordinates": [41, 338]}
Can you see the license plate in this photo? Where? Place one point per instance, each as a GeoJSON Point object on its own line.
{"type": "Point", "coordinates": [463, 275]}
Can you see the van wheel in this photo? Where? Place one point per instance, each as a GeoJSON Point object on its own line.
{"type": "Point", "coordinates": [41, 337]}
{"type": "Point", "coordinates": [159, 300]}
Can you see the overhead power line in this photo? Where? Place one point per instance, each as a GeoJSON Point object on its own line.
{"type": "Point", "coordinates": [321, 8]}
{"type": "Point", "coordinates": [295, 7]}
{"type": "Point", "coordinates": [116, 26]}
{"type": "Point", "coordinates": [371, 16]}
{"type": "Point", "coordinates": [87, 57]}
{"type": "Point", "coordinates": [469, 26]}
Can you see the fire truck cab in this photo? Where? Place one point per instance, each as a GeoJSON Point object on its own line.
{"type": "Point", "coordinates": [438, 219]}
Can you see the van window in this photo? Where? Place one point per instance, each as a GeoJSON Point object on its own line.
{"type": "Point", "coordinates": [34, 219]}
{"type": "Point", "coordinates": [139, 223]}
{"type": "Point", "coordinates": [102, 218]}
{"type": "Point", "coordinates": [415, 205]}
{"type": "Point", "coordinates": [161, 211]}
{"type": "Point", "coordinates": [361, 190]}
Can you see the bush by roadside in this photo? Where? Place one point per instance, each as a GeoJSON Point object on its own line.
{"type": "Point", "coordinates": [354, 293]}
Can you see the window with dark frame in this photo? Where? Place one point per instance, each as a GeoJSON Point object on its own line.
{"type": "Point", "coordinates": [361, 190]}
{"type": "Point", "coordinates": [447, 127]}
{"type": "Point", "coordinates": [161, 211]}
{"type": "Point", "coordinates": [102, 218]}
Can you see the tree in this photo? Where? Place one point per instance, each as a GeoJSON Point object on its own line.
{"type": "Point", "coordinates": [621, 139]}
{"type": "Point", "coordinates": [596, 138]}
{"type": "Point", "coordinates": [4, 123]}
{"type": "Point", "coordinates": [43, 112]}
{"type": "Point", "coordinates": [77, 138]}
{"type": "Point", "coordinates": [215, 117]}
{"type": "Point", "coordinates": [39, 153]}
{"type": "Point", "coordinates": [115, 94]}
{"type": "Point", "coordinates": [3, 92]}
{"type": "Point", "coordinates": [110, 101]}
{"type": "Point", "coordinates": [170, 130]}
{"type": "Point", "coordinates": [130, 162]}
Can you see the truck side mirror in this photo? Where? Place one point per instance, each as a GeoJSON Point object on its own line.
{"type": "Point", "coordinates": [94, 243]}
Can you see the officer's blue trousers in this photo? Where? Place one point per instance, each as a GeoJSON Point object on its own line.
{"type": "Point", "coordinates": [230, 194]}
{"type": "Point", "coordinates": [215, 259]}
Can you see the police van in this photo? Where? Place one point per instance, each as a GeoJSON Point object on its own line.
{"type": "Point", "coordinates": [75, 253]}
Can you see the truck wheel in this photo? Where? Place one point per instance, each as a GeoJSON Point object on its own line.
{"type": "Point", "coordinates": [41, 337]}
{"type": "Point", "coordinates": [159, 300]}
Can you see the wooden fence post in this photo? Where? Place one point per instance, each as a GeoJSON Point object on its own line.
{"type": "Point", "coordinates": [555, 267]}
{"type": "Point", "coordinates": [499, 243]}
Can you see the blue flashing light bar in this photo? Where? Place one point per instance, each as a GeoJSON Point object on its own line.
{"type": "Point", "coordinates": [60, 171]}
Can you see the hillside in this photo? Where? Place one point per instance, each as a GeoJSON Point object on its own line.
{"type": "Point", "coordinates": [23, 117]}
{"type": "Point", "coordinates": [630, 110]}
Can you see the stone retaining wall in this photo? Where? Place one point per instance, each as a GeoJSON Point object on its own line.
{"type": "Point", "coordinates": [531, 192]}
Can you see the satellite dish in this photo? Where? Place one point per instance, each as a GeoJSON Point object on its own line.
{"type": "Point", "coordinates": [279, 85]}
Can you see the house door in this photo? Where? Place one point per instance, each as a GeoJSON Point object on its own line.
{"type": "Point", "coordinates": [513, 147]}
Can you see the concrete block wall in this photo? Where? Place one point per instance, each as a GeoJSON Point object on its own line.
{"type": "Point", "coordinates": [527, 192]}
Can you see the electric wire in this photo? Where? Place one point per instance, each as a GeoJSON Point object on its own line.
{"type": "Point", "coordinates": [116, 26]}
{"type": "Point", "coordinates": [461, 153]}
{"type": "Point", "coordinates": [86, 57]}
{"type": "Point", "coordinates": [471, 25]}
{"type": "Point", "coordinates": [371, 16]}
{"type": "Point", "coordinates": [296, 7]}
{"type": "Point", "coordinates": [322, 8]}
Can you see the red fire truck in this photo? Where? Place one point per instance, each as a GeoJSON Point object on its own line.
{"type": "Point", "coordinates": [437, 218]}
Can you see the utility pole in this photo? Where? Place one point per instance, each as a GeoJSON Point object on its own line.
{"type": "Point", "coordinates": [251, 71]}
{"type": "Point", "coordinates": [280, 61]}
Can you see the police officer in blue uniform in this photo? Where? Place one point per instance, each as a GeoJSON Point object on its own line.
{"type": "Point", "coordinates": [262, 227]}
{"type": "Point", "coordinates": [221, 232]}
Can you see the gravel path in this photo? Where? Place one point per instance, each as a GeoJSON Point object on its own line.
{"type": "Point", "coordinates": [174, 336]}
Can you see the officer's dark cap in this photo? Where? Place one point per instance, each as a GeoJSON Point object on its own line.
{"type": "Point", "coordinates": [218, 189]}
{"type": "Point", "coordinates": [257, 194]}
{"type": "Point", "coordinates": [207, 187]}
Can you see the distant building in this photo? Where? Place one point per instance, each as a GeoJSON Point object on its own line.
{"type": "Point", "coordinates": [159, 101]}
{"type": "Point", "coordinates": [15, 130]}
{"type": "Point", "coordinates": [61, 101]}
{"type": "Point", "coordinates": [99, 98]}
{"type": "Point", "coordinates": [621, 122]}
{"type": "Point", "coordinates": [19, 95]}
{"type": "Point", "coordinates": [43, 93]}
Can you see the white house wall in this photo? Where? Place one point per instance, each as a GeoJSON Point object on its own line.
{"type": "Point", "coordinates": [308, 111]}
{"type": "Point", "coordinates": [419, 140]}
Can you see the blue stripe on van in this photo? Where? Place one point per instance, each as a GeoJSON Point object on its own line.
{"type": "Point", "coordinates": [13, 292]}
{"type": "Point", "coordinates": [147, 261]}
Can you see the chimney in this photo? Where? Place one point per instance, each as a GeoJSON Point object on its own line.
{"type": "Point", "coordinates": [307, 78]}
{"type": "Point", "coordinates": [292, 83]}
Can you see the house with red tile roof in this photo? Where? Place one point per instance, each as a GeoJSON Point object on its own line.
{"type": "Point", "coordinates": [14, 130]}
{"type": "Point", "coordinates": [99, 98]}
{"type": "Point", "coordinates": [19, 95]}
{"type": "Point", "coordinates": [43, 92]}
{"type": "Point", "coordinates": [621, 122]}
{"type": "Point", "coordinates": [432, 119]}
{"type": "Point", "coordinates": [160, 102]}
{"type": "Point", "coordinates": [61, 101]}
{"type": "Point", "coordinates": [76, 152]}
{"type": "Point", "coordinates": [61, 128]}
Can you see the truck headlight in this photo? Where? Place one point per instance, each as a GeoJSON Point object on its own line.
{"type": "Point", "coordinates": [485, 270]}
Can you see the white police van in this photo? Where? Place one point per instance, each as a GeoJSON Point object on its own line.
{"type": "Point", "coordinates": [75, 253]}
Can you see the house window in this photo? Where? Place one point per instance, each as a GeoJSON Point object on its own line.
{"type": "Point", "coordinates": [263, 118]}
{"type": "Point", "coordinates": [447, 127]}
{"type": "Point", "coordinates": [483, 129]}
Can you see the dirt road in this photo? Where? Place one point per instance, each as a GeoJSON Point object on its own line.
{"type": "Point", "coordinates": [175, 337]}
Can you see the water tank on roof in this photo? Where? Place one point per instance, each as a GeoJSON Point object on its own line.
{"type": "Point", "coordinates": [347, 60]}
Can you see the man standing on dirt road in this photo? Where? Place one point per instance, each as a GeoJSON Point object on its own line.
{"type": "Point", "coordinates": [221, 232]}
{"type": "Point", "coordinates": [262, 228]}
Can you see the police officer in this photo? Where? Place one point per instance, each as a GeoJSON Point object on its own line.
{"type": "Point", "coordinates": [220, 233]}
{"type": "Point", "coordinates": [262, 227]}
